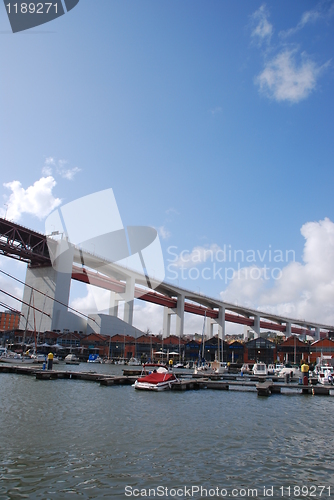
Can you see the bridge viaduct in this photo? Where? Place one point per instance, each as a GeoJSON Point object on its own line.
{"type": "Point", "coordinates": [51, 305]}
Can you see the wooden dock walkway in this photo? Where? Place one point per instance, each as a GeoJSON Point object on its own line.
{"type": "Point", "coordinates": [264, 387]}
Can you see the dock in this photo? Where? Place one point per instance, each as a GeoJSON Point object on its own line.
{"type": "Point", "coordinates": [262, 386]}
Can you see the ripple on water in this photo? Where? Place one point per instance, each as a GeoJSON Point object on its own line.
{"type": "Point", "coordinates": [65, 438]}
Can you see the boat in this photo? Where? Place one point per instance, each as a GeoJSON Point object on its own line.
{"type": "Point", "coordinates": [72, 359]}
{"type": "Point", "coordinates": [292, 371]}
{"type": "Point", "coordinates": [155, 377]}
{"type": "Point", "coordinates": [245, 369]}
{"type": "Point", "coordinates": [325, 374]}
{"type": "Point", "coordinates": [14, 357]}
{"type": "Point", "coordinates": [260, 369]}
{"type": "Point", "coordinates": [134, 362]}
{"type": "Point", "coordinates": [278, 368]}
{"type": "Point", "coordinates": [204, 369]}
{"type": "Point", "coordinates": [93, 358]}
{"type": "Point", "coordinates": [179, 365]}
{"type": "Point", "coordinates": [271, 369]}
{"type": "Point", "coordinates": [219, 367]}
{"type": "Point", "coordinates": [43, 358]}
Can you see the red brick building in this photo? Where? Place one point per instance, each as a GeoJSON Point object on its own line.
{"type": "Point", "coordinates": [9, 320]}
{"type": "Point", "coordinates": [321, 348]}
{"type": "Point", "coordinates": [293, 350]}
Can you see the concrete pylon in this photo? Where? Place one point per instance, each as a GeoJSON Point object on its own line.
{"type": "Point", "coordinates": [113, 304]}
{"type": "Point", "coordinates": [179, 311]}
{"type": "Point", "coordinates": [209, 328]}
{"type": "Point", "coordinates": [166, 322]}
{"type": "Point", "coordinates": [129, 298]}
{"type": "Point", "coordinates": [288, 329]}
{"type": "Point", "coordinates": [256, 327]}
{"type": "Point", "coordinates": [317, 333]}
{"type": "Point", "coordinates": [55, 283]}
{"type": "Point", "coordinates": [221, 331]}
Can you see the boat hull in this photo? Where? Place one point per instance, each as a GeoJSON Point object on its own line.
{"type": "Point", "coordinates": [145, 386]}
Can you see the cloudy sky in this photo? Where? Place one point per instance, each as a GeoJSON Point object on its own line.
{"type": "Point", "coordinates": [212, 121]}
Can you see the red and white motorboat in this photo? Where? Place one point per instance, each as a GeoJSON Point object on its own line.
{"type": "Point", "coordinates": [155, 377]}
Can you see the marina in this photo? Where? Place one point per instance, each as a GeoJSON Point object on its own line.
{"type": "Point", "coordinates": [263, 386]}
{"type": "Point", "coordinates": [77, 437]}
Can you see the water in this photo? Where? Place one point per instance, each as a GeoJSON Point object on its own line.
{"type": "Point", "coordinates": [65, 439]}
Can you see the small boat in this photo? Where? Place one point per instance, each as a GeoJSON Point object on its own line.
{"type": "Point", "coordinates": [325, 374]}
{"type": "Point", "coordinates": [134, 362]}
{"type": "Point", "coordinates": [292, 371]}
{"type": "Point", "coordinates": [245, 369]}
{"type": "Point", "coordinates": [94, 358]}
{"type": "Point", "coordinates": [204, 369]}
{"type": "Point", "coordinates": [219, 367]}
{"type": "Point", "coordinates": [271, 369]}
{"type": "Point", "coordinates": [278, 368]}
{"type": "Point", "coordinates": [43, 358]}
{"type": "Point", "coordinates": [14, 358]}
{"type": "Point", "coordinates": [155, 378]}
{"type": "Point", "coordinates": [72, 359]}
{"type": "Point", "coordinates": [178, 365]}
{"type": "Point", "coordinates": [260, 369]}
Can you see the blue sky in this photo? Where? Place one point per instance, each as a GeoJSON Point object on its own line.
{"type": "Point", "coordinates": [211, 121]}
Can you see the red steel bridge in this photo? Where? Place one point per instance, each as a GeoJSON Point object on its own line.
{"type": "Point", "coordinates": [21, 243]}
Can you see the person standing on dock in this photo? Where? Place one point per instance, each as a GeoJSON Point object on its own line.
{"type": "Point", "coordinates": [50, 360]}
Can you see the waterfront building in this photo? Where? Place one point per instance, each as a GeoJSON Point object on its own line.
{"type": "Point", "coordinates": [260, 350]}
{"type": "Point", "coordinates": [293, 350]}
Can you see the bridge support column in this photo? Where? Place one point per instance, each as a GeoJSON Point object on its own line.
{"type": "Point", "coordinates": [179, 310]}
{"type": "Point", "coordinates": [129, 298]}
{"type": "Point", "coordinates": [55, 282]}
{"type": "Point", "coordinates": [317, 333]}
{"type": "Point", "coordinates": [256, 327]}
{"type": "Point", "coordinates": [288, 329]}
{"type": "Point", "coordinates": [113, 305]}
{"type": "Point", "coordinates": [209, 328]}
{"type": "Point", "coordinates": [221, 331]}
{"type": "Point", "coordinates": [166, 322]}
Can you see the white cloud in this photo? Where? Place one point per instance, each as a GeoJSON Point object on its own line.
{"type": "Point", "coordinates": [163, 232]}
{"type": "Point", "coordinates": [216, 110]}
{"type": "Point", "coordinates": [59, 166]}
{"type": "Point", "coordinates": [305, 290]}
{"type": "Point", "coordinates": [321, 11]}
{"type": "Point", "coordinates": [96, 300]}
{"type": "Point", "coordinates": [263, 29]}
{"type": "Point", "coordinates": [198, 255]}
{"type": "Point", "coordinates": [14, 268]}
{"type": "Point", "coordinates": [283, 79]}
{"type": "Point", "coordinates": [36, 200]}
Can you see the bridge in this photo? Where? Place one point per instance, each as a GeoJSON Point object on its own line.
{"type": "Point", "coordinates": [20, 243]}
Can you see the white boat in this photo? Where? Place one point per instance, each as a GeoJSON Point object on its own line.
{"type": "Point", "coordinates": [178, 365]}
{"type": "Point", "coordinates": [271, 369]}
{"type": "Point", "coordinates": [260, 369]}
{"type": "Point", "coordinates": [325, 374]}
{"type": "Point", "coordinates": [293, 372]}
{"type": "Point", "coordinates": [155, 378]}
{"type": "Point", "coordinates": [72, 359]}
{"type": "Point", "coordinates": [278, 368]}
{"type": "Point", "coordinates": [246, 369]}
{"type": "Point", "coordinates": [204, 369]}
{"type": "Point", "coordinates": [134, 362]}
{"type": "Point", "coordinates": [219, 367]}
{"type": "Point", "coordinates": [14, 358]}
{"type": "Point", "coordinates": [43, 358]}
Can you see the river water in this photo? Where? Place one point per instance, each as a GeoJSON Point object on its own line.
{"type": "Point", "coordinates": [66, 439]}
